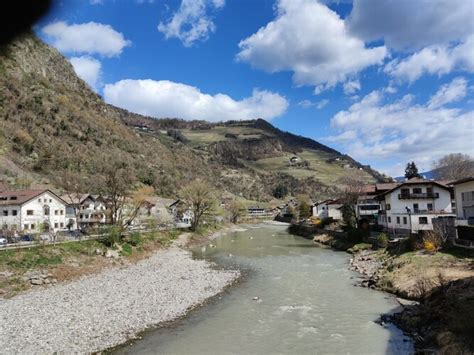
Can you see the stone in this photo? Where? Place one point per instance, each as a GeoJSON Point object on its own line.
{"type": "Point", "coordinates": [36, 281]}
{"type": "Point", "coordinates": [256, 298]}
{"type": "Point", "coordinates": [112, 254]}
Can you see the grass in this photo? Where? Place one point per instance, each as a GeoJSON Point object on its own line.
{"type": "Point", "coordinates": [319, 168]}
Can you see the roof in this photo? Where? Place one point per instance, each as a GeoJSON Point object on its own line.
{"type": "Point", "coordinates": [415, 181]}
{"type": "Point", "coordinates": [76, 198]}
{"type": "Point", "coordinates": [22, 196]}
{"type": "Point", "coordinates": [461, 181]}
{"type": "Point", "coordinates": [386, 186]}
{"type": "Point", "coordinates": [327, 202]}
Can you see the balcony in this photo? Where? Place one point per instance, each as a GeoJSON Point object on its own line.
{"type": "Point", "coordinates": [413, 196]}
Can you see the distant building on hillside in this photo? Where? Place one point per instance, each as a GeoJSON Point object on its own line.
{"type": "Point", "coordinates": [90, 210]}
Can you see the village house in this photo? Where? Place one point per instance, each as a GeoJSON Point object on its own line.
{"type": "Point", "coordinates": [410, 206]}
{"type": "Point", "coordinates": [90, 210]}
{"type": "Point", "coordinates": [182, 214]}
{"type": "Point", "coordinates": [327, 209]}
{"type": "Point", "coordinates": [464, 197]}
{"type": "Point", "coordinates": [35, 211]}
{"type": "Point", "coordinates": [368, 207]}
{"type": "Point", "coordinates": [155, 210]}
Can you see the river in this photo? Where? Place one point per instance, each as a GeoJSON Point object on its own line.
{"type": "Point", "coordinates": [294, 298]}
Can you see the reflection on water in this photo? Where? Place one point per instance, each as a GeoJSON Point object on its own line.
{"type": "Point", "coordinates": [295, 299]}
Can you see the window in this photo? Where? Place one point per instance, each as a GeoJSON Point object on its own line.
{"type": "Point", "coordinates": [50, 200]}
{"type": "Point", "coordinates": [5, 212]}
{"type": "Point", "coordinates": [389, 219]}
{"type": "Point", "coordinates": [55, 212]}
{"type": "Point", "coordinates": [417, 190]}
{"type": "Point", "coordinates": [61, 224]}
{"type": "Point", "coordinates": [430, 206]}
{"type": "Point", "coordinates": [405, 192]}
{"type": "Point", "coordinates": [29, 212]}
{"type": "Point", "coordinates": [32, 226]}
{"type": "Point", "coordinates": [388, 207]}
{"type": "Point", "coordinates": [55, 225]}
{"type": "Point", "coordinates": [14, 212]}
{"type": "Point", "coordinates": [25, 227]}
{"type": "Point", "coordinates": [46, 210]}
{"type": "Point", "coordinates": [404, 220]}
{"type": "Point", "coordinates": [415, 207]}
{"type": "Point", "coordinates": [81, 216]}
{"type": "Point", "coordinates": [429, 190]}
{"type": "Point", "coordinates": [398, 220]}
{"type": "Point", "coordinates": [39, 200]}
{"type": "Point", "coordinates": [462, 196]}
{"type": "Point", "coordinates": [423, 220]}
{"type": "Point", "coordinates": [61, 212]}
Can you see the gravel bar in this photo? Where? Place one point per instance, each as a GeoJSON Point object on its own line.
{"type": "Point", "coordinates": [104, 310]}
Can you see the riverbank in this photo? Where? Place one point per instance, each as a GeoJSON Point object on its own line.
{"type": "Point", "coordinates": [435, 291]}
{"type": "Point", "coordinates": [103, 310]}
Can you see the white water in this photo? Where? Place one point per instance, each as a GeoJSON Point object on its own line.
{"type": "Point", "coordinates": [307, 304]}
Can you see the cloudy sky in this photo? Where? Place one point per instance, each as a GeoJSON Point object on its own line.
{"type": "Point", "coordinates": [386, 81]}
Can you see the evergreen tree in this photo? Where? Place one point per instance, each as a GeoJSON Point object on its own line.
{"type": "Point", "coordinates": [411, 171]}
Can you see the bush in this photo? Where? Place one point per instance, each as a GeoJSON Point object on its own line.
{"type": "Point", "coordinates": [382, 240]}
{"type": "Point", "coordinates": [432, 241]}
{"type": "Point", "coordinates": [134, 239]}
{"type": "Point", "coordinates": [126, 249]}
{"type": "Point", "coordinates": [110, 236]}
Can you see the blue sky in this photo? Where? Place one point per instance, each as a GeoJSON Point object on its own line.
{"type": "Point", "coordinates": [384, 81]}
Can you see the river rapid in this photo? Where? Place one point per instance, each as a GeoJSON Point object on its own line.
{"type": "Point", "coordinates": [294, 298]}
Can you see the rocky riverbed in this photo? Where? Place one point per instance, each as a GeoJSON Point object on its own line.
{"type": "Point", "coordinates": [104, 310]}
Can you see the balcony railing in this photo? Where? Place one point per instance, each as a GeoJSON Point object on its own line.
{"type": "Point", "coordinates": [413, 196]}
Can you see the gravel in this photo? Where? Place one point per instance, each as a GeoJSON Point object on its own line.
{"type": "Point", "coordinates": [104, 310]}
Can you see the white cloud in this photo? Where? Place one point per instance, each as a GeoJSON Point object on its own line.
{"type": "Point", "coordinates": [412, 24]}
{"type": "Point", "coordinates": [350, 87]}
{"type": "Point", "coordinates": [311, 40]}
{"type": "Point", "coordinates": [308, 103]}
{"type": "Point", "coordinates": [88, 69]}
{"type": "Point", "coordinates": [191, 22]}
{"type": "Point", "coordinates": [374, 130]}
{"type": "Point", "coordinates": [452, 92]}
{"type": "Point", "coordinates": [436, 59]}
{"type": "Point", "coordinates": [87, 38]}
{"type": "Point", "coordinates": [169, 99]}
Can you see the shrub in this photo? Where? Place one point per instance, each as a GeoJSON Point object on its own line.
{"type": "Point", "coordinates": [126, 249]}
{"type": "Point", "coordinates": [432, 241]}
{"type": "Point", "coordinates": [134, 239]}
{"type": "Point", "coordinates": [110, 236]}
{"type": "Point", "coordinates": [382, 240]}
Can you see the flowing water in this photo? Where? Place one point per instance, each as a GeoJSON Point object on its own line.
{"type": "Point", "coordinates": [295, 298]}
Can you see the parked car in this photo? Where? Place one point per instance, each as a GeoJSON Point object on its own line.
{"type": "Point", "coordinates": [27, 238]}
{"type": "Point", "coordinates": [3, 241]}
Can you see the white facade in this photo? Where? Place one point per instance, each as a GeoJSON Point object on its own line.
{"type": "Point", "coordinates": [327, 209]}
{"type": "Point", "coordinates": [43, 212]}
{"type": "Point", "coordinates": [91, 212]}
{"type": "Point", "coordinates": [411, 207]}
{"type": "Point", "coordinates": [464, 196]}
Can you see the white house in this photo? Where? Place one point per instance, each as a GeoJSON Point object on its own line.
{"type": "Point", "coordinates": [410, 206]}
{"type": "Point", "coordinates": [34, 211]}
{"type": "Point", "coordinates": [464, 197]}
{"type": "Point", "coordinates": [327, 209]}
{"type": "Point", "coordinates": [90, 210]}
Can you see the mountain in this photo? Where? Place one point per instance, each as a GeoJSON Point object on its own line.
{"type": "Point", "coordinates": [52, 123]}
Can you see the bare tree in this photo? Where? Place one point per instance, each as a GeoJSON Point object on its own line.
{"type": "Point", "coordinates": [199, 196]}
{"type": "Point", "coordinates": [454, 167]}
{"type": "Point", "coordinates": [236, 210]}
{"type": "Point", "coordinates": [352, 188]}
{"type": "Point", "coordinates": [123, 203]}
